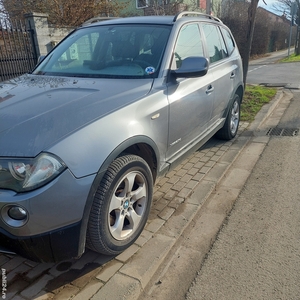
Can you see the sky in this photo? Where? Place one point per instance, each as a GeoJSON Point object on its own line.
{"type": "Point", "coordinates": [268, 6]}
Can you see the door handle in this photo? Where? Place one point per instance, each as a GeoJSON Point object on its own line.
{"type": "Point", "coordinates": [209, 89]}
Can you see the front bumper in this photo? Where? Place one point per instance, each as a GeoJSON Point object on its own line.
{"type": "Point", "coordinates": [54, 229]}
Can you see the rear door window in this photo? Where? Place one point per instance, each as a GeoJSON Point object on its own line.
{"type": "Point", "coordinates": [229, 40]}
{"type": "Point", "coordinates": [215, 44]}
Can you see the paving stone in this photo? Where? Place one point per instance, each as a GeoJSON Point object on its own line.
{"type": "Point", "coordinates": [17, 272]}
{"type": "Point", "coordinates": [109, 271]}
{"type": "Point", "coordinates": [191, 185]}
{"type": "Point", "coordinates": [176, 202]}
{"type": "Point", "coordinates": [68, 292]}
{"type": "Point", "coordinates": [55, 270]}
{"type": "Point", "coordinates": [44, 296]}
{"type": "Point", "coordinates": [229, 156]}
{"type": "Point", "coordinates": [31, 263]}
{"type": "Point", "coordinates": [15, 288]}
{"type": "Point", "coordinates": [160, 205]}
{"type": "Point", "coordinates": [204, 159]}
{"type": "Point", "coordinates": [222, 200]}
{"type": "Point", "coordinates": [204, 169]}
{"type": "Point", "coordinates": [193, 160]}
{"type": "Point", "coordinates": [174, 227]}
{"type": "Point", "coordinates": [83, 279]}
{"type": "Point", "coordinates": [128, 253]}
{"type": "Point", "coordinates": [178, 186]}
{"type": "Point", "coordinates": [184, 193]}
{"type": "Point", "coordinates": [186, 178]}
{"type": "Point", "coordinates": [146, 261]}
{"type": "Point", "coordinates": [198, 176]}
{"type": "Point", "coordinates": [181, 172]}
{"type": "Point", "coordinates": [166, 213]}
{"type": "Point", "coordinates": [157, 196]}
{"type": "Point", "coordinates": [155, 225]}
{"type": "Point", "coordinates": [187, 166]}
{"type": "Point", "coordinates": [144, 238]}
{"type": "Point", "coordinates": [36, 287]}
{"type": "Point", "coordinates": [18, 297]}
{"type": "Point", "coordinates": [193, 171]}
{"type": "Point", "coordinates": [119, 287]}
{"type": "Point", "coordinates": [201, 193]}
{"type": "Point", "coordinates": [13, 263]}
{"type": "Point", "coordinates": [89, 290]}
{"type": "Point", "coordinates": [217, 172]}
{"type": "Point", "coordinates": [3, 259]}
{"type": "Point", "coordinates": [38, 270]}
{"type": "Point", "coordinates": [87, 257]}
{"type": "Point", "coordinates": [170, 195]}
{"type": "Point", "coordinates": [165, 187]}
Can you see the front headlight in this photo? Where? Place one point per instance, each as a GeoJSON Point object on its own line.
{"type": "Point", "coordinates": [27, 174]}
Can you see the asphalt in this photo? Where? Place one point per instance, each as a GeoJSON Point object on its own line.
{"type": "Point", "coordinates": [195, 197]}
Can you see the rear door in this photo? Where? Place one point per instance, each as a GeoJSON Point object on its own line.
{"type": "Point", "coordinates": [222, 69]}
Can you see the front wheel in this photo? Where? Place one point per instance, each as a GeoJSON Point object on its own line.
{"type": "Point", "coordinates": [121, 205]}
{"type": "Point", "coordinates": [231, 125]}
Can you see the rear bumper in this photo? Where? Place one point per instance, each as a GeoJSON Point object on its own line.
{"type": "Point", "coordinates": [54, 246]}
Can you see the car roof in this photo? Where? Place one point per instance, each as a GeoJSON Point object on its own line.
{"type": "Point", "coordinates": [161, 20]}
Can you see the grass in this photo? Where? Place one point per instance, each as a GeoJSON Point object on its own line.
{"type": "Point", "coordinates": [255, 97]}
{"type": "Point", "coordinates": [291, 58]}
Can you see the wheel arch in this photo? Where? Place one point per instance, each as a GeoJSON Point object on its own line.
{"type": "Point", "coordinates": [240, 92]}
{"type": "Point", "coordinates": [141, 146]}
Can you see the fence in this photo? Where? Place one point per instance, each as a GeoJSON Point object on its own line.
{"type": "Point", "coordinates": [17, 50]}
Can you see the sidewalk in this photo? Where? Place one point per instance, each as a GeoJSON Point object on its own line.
{"type": "Point", "coordinates": [271, 57]}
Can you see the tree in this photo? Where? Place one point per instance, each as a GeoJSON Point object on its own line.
{"type": "Point", "coordinates": [61, 12]}
{"type": "Point", "coordinates": [290, 8]}
{"type": "Point", "coordinates": [249, 35]}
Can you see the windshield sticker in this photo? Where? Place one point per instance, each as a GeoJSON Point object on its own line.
{"type": "Point", "coordinates": [150, 70]}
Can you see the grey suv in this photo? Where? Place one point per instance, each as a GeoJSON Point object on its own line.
{"type": "Point", "coordinates": [114, 106]}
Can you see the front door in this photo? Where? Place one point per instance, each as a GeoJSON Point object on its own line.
{"type": "Point", "coordinates": [190, 99]}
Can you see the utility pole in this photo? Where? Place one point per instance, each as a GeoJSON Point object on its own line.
{"type": "Point", "coordinates": [293, 13]}
{"type": "Point", "coordinates": [208, 7]}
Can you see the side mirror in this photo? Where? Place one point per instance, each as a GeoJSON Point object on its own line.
{"type": "Point", "coordinates": [191, 67]}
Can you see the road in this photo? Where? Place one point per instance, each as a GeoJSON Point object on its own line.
{"type": "Point", "coordinates": [266, 71]}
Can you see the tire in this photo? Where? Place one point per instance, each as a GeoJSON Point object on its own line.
{"type": "Point", "coordinates": [121, 205]}
{"type": "Point", "coordinates": [231, 125]}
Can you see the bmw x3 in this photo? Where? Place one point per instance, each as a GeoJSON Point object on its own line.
{"type": "Point", "coordinates": [114, 106]}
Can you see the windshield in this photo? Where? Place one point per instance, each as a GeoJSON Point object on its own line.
{"type": "Point", "coordinates": [125, 51]}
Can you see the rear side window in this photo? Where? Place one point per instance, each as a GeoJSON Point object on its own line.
{"type": "Point", "coordinates": [215, 44]}
{"type": "Point", "coordinates": [229, 40]}
{"type": "Point", "coordinates": [188, 43]}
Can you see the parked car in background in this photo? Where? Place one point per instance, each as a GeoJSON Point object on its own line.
{"type": "Point", "coordinates": [111, 108]}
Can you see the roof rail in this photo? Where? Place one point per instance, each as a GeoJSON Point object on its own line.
{"type": "Point", "coordinates": [196, 14]}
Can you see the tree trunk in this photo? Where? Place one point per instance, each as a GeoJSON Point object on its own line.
{"type": "Point", "coordinates": [250, 29]}
{"type": "Point", "coordinates": [297, 44]}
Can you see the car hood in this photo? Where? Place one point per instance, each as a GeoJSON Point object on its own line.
{"type": "Point", "coordinates": [37, 111]}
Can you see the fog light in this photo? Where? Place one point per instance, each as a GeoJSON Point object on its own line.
{"type": "Point", "coordinates": [17, 213]}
